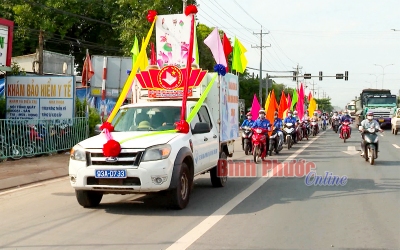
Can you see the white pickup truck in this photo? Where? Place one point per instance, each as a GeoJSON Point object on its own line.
{"type": "Point", "coordinates": [161, 162]}
{"type": "Point", "coordinates": [396, 121]}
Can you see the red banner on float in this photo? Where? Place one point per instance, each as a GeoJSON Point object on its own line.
{"type": "Point", "coordinates": [169, 81]}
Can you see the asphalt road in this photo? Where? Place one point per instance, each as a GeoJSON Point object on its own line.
{"type": "Point", "coordinates": [249, 213]}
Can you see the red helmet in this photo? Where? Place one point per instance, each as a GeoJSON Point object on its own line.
{"type": "Point", "coordinates": [248, 114]}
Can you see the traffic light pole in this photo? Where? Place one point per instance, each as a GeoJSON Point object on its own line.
{"type": "Point", "coordinates": [261, 47]}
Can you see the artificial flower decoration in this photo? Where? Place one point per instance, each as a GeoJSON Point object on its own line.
{"type": "Point", "coordinates": [182, 126]}
{"type": "Point", "coordinates": [108, 126]}
{"type": "Point", "coordinates": [111, 148]}
{"type": "Point", "coordinates": [151, 15]}
{"type": "Point", "coordinates": [220, 69]}
{"type": "Point", "coordinates": [190, 9]}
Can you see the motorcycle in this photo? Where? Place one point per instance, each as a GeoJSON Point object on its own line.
{"type": "Point", "coordinates": [305, 129]}
{"type": "Point", "coordinates": [335, 124]}
{"type": "Point", "coordinates": [314, 128]}
{"type": "Point", "coordinates": [259, 141]}
{"type": "Point", "coordinates": [299, 132]}
{"type": "Point", "coordinates": [345, 131]}
{"type": "Point", "coordinates": [324, 123]}
{"type": "Point", "coordinates": [246, 140]}
{"type": "Point", "coordinates": [275, 143]}
{"type": "Point", "coordinates": [371, 144]}
{"type": "Point", "coordinates": [288, 131]}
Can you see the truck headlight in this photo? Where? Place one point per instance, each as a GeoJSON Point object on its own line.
{"type": "Point", "coordinates": [78, 153]}
{"type": "Point", "coordinates": [156, 153]}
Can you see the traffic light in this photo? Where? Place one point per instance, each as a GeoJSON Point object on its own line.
{"type": "Point", "coordinates": [294, 76]}
{"type": "Point", "coordinates": [320, 75]}
{"type": "Point", "coordinates": [339, 76]}
{"type": "Point", "coordinates": [307, 76]}
{"type": "Point", "coordinates": [346, 75]}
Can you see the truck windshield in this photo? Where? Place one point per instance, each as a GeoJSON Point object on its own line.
{"type": "Point", "coordinates": [351, 107]}
{"type": "Point", "coordinates": [382, 100]}
{"type": "Point", "coordinates": [146, 119]}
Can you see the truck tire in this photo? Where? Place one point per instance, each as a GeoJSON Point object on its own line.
{"type": "Point", "coordinates": [180, 194]}
{"type": "Point", "coordinates": [88, 198]}
{"type": "Point", "coordinates": [216, 180]}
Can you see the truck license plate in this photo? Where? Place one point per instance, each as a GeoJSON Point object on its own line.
{"type": "Point", "coordinates": [110, 173]}
{"type": "Point", "coordinates": [381, 120]}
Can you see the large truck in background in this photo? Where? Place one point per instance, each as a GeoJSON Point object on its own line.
{"type": "Point", "coordinates": [380, 101]}
{"type": "Point", "coordinates": [351, 107]}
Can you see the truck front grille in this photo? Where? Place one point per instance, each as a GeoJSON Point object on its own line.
{"type": "Point", "coordinates": [384, 114]}
{"type": "Point", "coordinates": [127, 157]}
{"type": "Point", "coordinates": [129, 181]}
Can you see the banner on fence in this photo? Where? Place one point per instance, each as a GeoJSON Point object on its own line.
{"type": "Point", "coordinates": [40, 97]}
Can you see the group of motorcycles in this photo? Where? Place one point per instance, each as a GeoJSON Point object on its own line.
{"type": "Point", "coordinates": [254, 140]}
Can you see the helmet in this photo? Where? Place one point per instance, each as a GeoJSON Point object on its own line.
{"type": "Point", "coordinates": [248, 114]}
{"type": "Point", "coordinates": [276, 113]}
{"type": "Point", "coordinates": [295, 112]}
{"type": "Point", "coordinates": [262, 111]}
{"type": "Point", "coordinates": [290, 112]}
{"type": "Point", "coordinates": [370, 113]}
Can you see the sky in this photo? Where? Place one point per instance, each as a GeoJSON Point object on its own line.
{"type": "Point", "coordinates": [328, 36]}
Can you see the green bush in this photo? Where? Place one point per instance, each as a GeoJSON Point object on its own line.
{"type": "Point", "coordinates": [3, 107]}
{"type": "Point", "coordinates": [94, 116]}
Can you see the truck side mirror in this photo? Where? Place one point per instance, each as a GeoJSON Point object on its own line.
{"type": "Point", "coordinates": [97, 129]}
{"type": "Point", "coordinates": [201, 128]}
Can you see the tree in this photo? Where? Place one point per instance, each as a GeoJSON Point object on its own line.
{"type": "Point", "coordinates": [324, 104]}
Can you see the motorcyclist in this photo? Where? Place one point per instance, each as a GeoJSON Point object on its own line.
{"type": "Point", "coordinates": [324, 119]}
{"type": "Point", "coordinates": [345, 117]}
{"type": "Point", "coordinates": [263, 123]}
{"type": "Point", "coordinates": [278, 127]}
{"type": "Point", "coordinates": [365, 124]}
{"type": "Point", "coordinates": [247, 123]}
{"type": "Point", "coordinates": [291, 119]}
{"type": "Point", "coordinates": [334, 116]}
{"type": "Point", "coordinates": [315, 119]}
{"type": "Point", "coordinates": [306, 117]}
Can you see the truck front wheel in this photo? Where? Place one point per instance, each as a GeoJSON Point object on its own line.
{"type": "Point", "coordinates": [216, 180]}
{"type": "Point", "coordinates": [88, 198]}
{"type": "Point", "coordinates": [180, 194]}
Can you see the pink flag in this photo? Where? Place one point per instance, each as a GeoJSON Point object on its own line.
{"type": "Point", "coordinates": [255, 107]}
{"type": "Point", "coordinates": [213, 41]}
{"type": "Point", "coordinates": [289, 101]}
{"type": "Point", "coordinates": [300, 102]}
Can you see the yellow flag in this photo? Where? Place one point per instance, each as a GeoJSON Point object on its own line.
{"type": "Point", "coordinates": [267, 102]}
{"type": "Point", "coordinates": [243, 58]}
{"type": "Point", "coordinates": [145, 60]}
{"type": "Point", "coordinates": [312, 107]}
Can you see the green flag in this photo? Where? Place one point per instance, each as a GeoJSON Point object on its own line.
{"type": "Point", "coordinates": [236, 61]}
{"type": "Point", "coordinates": [294, 99]}
{"type": "Point", "coordinates": [135, 50]}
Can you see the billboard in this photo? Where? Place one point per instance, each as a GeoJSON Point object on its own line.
{"type": "Point", "coordinates": [229, 107]}
{"type": "Point", "coordinates": [40, 97]}
{"type": "Point", "coordinates": [6, 39]}
{"type": "Point", "coordinates": [172, 40]}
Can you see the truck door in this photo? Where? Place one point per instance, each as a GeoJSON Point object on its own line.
{"type": "Point", "coordinates": [199, 148]}
{"type": "Point", "coordinates": [211, 138]}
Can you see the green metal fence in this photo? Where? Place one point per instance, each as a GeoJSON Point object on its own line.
{"type": "Point", "coordinates": [28, 138]}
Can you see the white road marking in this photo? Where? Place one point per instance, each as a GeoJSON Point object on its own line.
{"type": "Point", "coordinates": [28, 186]}
{"type": "Point", "coordinates": [189, 238]}
{"type": "Point", "coordinates": [351, 150]}
{"type": "Point", "coordinates": [396, 146]}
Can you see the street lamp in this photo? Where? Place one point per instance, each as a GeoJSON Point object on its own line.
{"type": "Point", "coordinates": [383, 71]}
{"type": "Point", "coordinates": [376, 79]}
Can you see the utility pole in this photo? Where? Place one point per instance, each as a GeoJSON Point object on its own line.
{"type": "Point", "coordinates": [184, 5]}
{"type": "Point", "coordinates": [313, 89]}
{"type": "Point", "coordinates": [41, 52]}
{"type": "Point", "coordinates": [261, 47]}
{"type": "Point", "coordinates": [297, 74]}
